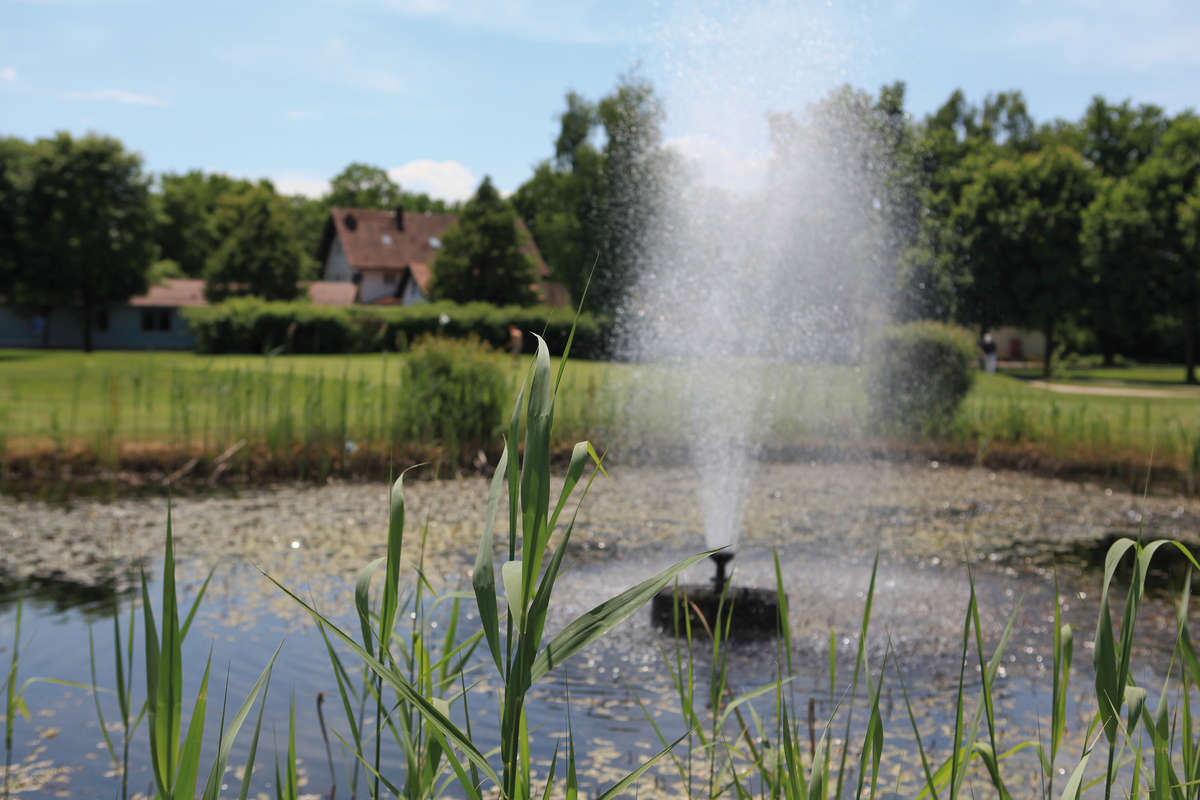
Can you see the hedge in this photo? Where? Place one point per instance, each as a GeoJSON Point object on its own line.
{"type": "Point", "coordinates": [250, 325]}
{"type": "Point", "coordinates": [918, 374]}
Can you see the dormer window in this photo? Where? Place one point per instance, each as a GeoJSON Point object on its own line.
{"type": "Point", "coordinates": [435, 242]}
{"type": "Point", "coordinates": [386, 238]}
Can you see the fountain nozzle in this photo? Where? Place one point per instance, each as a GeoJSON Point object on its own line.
{"type": "Point", "coordinates": [721, 559]}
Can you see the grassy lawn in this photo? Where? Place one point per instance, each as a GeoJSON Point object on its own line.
{"type": "Point", "coordinates": [110, 400]}
{"type": "Point", "coordinates": [1153, 375]}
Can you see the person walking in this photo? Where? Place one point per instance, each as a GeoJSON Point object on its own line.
{"type": "Point", "coordinates": [988, 346]}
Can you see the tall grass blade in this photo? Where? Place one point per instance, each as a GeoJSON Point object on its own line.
{"type": "Point", "coordinates": [212, 787]}
{"type": "Point", "coordinates": [593, 624]}
{"type": "Point", "coordinates": [483, 578]}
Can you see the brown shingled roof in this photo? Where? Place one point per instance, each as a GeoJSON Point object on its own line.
{"type": "Point", "coordinates": [372, 241]}
{"type": "Point", "coordinates": [182, 292]}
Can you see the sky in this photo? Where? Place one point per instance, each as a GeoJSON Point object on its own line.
{"type": "Point", "coordinates": [443, 92]}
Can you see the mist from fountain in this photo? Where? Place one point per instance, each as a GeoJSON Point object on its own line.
{"type": "Point", "coordinates": [787, 266]}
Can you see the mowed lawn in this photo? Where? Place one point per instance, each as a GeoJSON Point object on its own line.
{"type": "Point", "coordinates": [106, 399]}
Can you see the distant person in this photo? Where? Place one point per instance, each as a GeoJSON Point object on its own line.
{"type": "Point", "coordinates": [988, 346]}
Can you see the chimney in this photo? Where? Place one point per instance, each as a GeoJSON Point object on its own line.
{"type": "Point", "coordinates": [400, 216]}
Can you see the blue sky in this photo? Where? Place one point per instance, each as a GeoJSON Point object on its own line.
{"type": "Point", "coordinates": [442, 92]}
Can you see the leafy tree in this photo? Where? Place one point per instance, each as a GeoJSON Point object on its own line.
{"type": "Point", "coordinates": [481, 258]}
{"type": "Point", "coordinates": [14, 169]}
{"type": "Point", "coordinates": [363, 186]}
{"type": "Point", "coordinates": [636, 169]}
{"type": "Point", "coordinates": [1144, 225]}
{"type": "Point", "coordinates": [1117, 139]}
{"type": "Point", "coordinates": [89, 225]}
{"type": "Point", "coordinates": [308, 218]}
{"type": "Point", "coordinates": [261, 254]}
{"type": "Point", "coordinates": [187, 230]}
{"type": "Point", "coordinates": [562, 202]}
{"type": "Point", "coordinates": [1017, 228]}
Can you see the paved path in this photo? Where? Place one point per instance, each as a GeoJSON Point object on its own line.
{"type": "Point", "coordinates": [1180, 393]}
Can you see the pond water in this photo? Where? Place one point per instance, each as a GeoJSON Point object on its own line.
{"type": "Point", "coordinates": [921, 597]}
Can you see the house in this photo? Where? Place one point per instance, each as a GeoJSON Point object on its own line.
{"type": "Point", "coordinates": [151, 321]}
{"type": "Point", "coordinates": [388, 255]}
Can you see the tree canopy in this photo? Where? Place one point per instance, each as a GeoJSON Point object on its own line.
{"type": "Point", "coordinates": [481, 256]}
{"type": "Point", "coordinates": [85, 232]}
{"type": "Point", "coordinates": [260, 254]}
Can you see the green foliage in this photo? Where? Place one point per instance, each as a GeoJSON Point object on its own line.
{"type": "Point", "coordinates": [918, 375]}
{"type": "Point", "coordinates": [455, 393]}
{"type": "Point", "coordinates": [482, 255]}
{"type": "Point", "coordinates": [363, 186]}
{"type": "Point", "coordinates": [251, 325]}
{"type": "Point", "coordinates": [260, 255]}
{"type": "Point", "coordinates": [418, 710]}
{"type": "Point", "coordinates": [1017, 226]}
{"type": "Point", "coordinates": [187, 230]}
{"type": "Point", "coordinates": [85, 231]}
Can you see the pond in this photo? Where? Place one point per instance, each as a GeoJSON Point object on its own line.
{"type": "Point", "coordinates": [826, 521]}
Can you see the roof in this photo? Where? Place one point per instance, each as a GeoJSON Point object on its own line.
{"type": "Point", "coordinates": [372, 241]}
{"type": "Point", "coordinates": [182, 292]}
{"type": "Point", "coordinates": [173, 292]}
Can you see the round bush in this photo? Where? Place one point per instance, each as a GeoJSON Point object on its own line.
{"type": "Point", "coordinates": [918, 374]}
{"type": "Point", "coordinates": [455, 392]}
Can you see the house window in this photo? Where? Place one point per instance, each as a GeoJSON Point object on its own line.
{"type": "Point", "coordinates": [102, 320]}
{"type": "Point", "coordinates": [389, 278]}
{"type": "Point", "coordinates": [156, 319]}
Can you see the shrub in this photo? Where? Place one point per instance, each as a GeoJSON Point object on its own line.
{"type": "Point", "coordinates": [455, 391]}
{"type": "Point", "coordinates": [250, 325]}
{"type": "Point", "coordinates": [918, 374]}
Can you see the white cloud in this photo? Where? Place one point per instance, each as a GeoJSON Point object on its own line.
{"type": "Point", "coordinates": [301, 115]}
{"type": "Point", "coordinates": [293, 182]}
{"type": "Point", "coordinates": [117, 96]}
{"type": "Point", "coordinates": [8, 74]}
{"type": "Point", "coordinates": [448, 180]}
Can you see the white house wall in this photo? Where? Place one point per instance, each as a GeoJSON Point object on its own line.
{"type": "Point", "coordinates": [337, 266]}
{"type": "Point", "coordinates": [374, 287]}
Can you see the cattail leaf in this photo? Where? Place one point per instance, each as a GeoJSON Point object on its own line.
{"type": "Point", "coordinates": [510, 573]}
{"type": "Point", "coordinates": [595, 623]}
{"type": "Point", "coordinates": [483, 578]}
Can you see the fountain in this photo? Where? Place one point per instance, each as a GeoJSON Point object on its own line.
{"type": "Point", "coordinates": [766, 247]}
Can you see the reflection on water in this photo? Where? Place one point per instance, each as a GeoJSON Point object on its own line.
{"type": "Point", "coordinates": [611, 687]}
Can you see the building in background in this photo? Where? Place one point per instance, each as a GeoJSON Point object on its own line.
{"type": "Point", "coordinates": [388, 255]}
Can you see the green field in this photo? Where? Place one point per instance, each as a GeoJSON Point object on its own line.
{"type": "Point", "coordinates": [110, 402]}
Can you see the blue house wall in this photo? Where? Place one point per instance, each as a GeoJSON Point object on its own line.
{"type": "Point", "coordinates": [128, 328]}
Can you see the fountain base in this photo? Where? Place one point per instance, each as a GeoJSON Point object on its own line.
{"type": "Point", "coordinates": [754, 612]}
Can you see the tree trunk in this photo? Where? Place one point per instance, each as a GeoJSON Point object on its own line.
{"type": "Point", "coordinates": [87, 325]}
{"type": "Point", "coordinates": [1189, 343]}
{"type": "Point", "coordinates": [1048, 330]}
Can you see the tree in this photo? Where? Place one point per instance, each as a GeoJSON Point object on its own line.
{"type": "Point", "coordinates": [1117, 139]}
{"type": "Point", "coordinates": [363, 186]}
{"type": "Point", "coordinates": [14, 175]}
{"type": "Point", "coordinates": [88, 226]}
{"type": "Point", "coordinates": [636, 170]}
{"type": "Point", "coordinates": [1142, 232]}
{"type": "Point", "coordinates": [563, 199]}
{"type": "Point", "coordinates": [260, 255]}
{"type": "Point", "coordinates": [1017, 228]}
{"type": "Point", "coordinates": [481, 257]}
{"type": "Point", "coordinates": [187, 229]}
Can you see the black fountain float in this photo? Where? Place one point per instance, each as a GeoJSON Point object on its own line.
{"type": "Point", "coordinates": [749, 613]}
